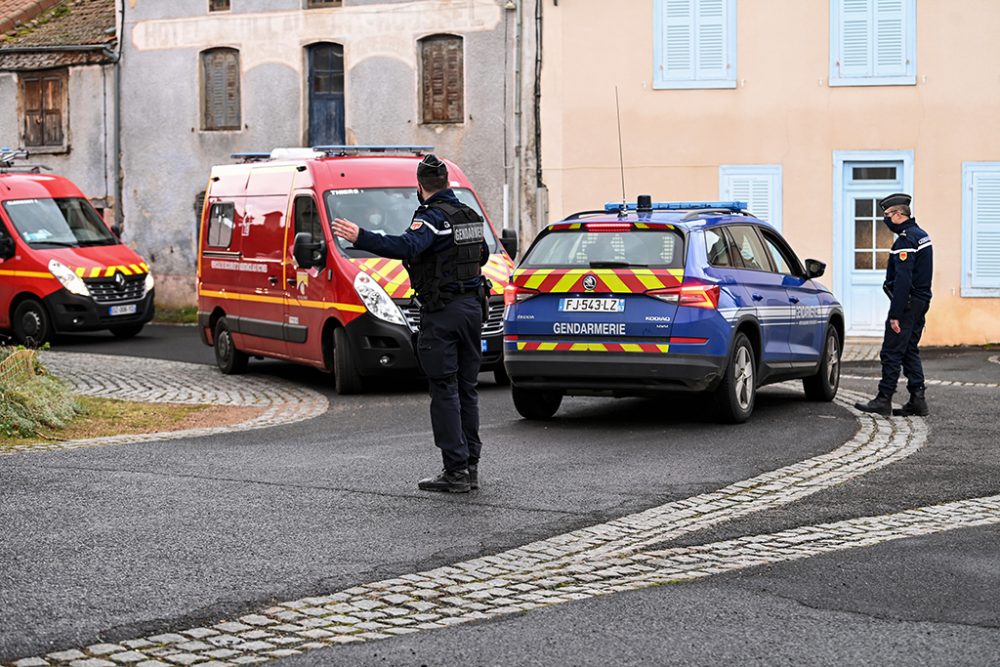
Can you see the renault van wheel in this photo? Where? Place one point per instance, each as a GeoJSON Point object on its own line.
{"type": "Point", "coordinates": [127, 331]}
{"type": "Point", "coordinates": [31, 324]}
{"type": "Point", "coordinates": [500, 376]}
{"type": "Point", "coordinates": [347, 379]}
{"type": "Point", "coordinates": [229, 359]}
{"type": "Point", "coordinates": [536, 403]}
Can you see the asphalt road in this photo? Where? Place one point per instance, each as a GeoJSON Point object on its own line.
{"type": "Point", "coordinates": [119, 542]}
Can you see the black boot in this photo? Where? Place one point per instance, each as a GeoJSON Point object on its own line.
{"type": "Point", "coordinates": [450, 481]}
{"type": "Point", "coordinates": [473, 476]}
{"type": "Point", "coordinates": [916, 406]}
{"type": "Point", "coordinates": [880, 405]}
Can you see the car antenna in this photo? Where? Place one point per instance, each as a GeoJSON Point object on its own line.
{"type": "Point", "coordinates": [621, 159]}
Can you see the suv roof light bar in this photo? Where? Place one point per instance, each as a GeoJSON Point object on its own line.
{"type": "Point", "coordinates": [726, 206]}
{"type": "Point", "coordinates": [346, 150]}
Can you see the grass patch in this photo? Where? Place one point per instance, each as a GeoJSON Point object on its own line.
{"type": "Point", "coordinates": [29, 404]}
{"type": "Point", "coordinates": [185, 315]}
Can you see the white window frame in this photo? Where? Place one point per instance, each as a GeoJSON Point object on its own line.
{"type": "Point", "coordinates": [661, 82]}
{"type": "Point", "coordinates": [968, 170]}
{"type": "Point", "coordinates": [909, 28]}
{"type": "Point", "coordinates": [771, 171]}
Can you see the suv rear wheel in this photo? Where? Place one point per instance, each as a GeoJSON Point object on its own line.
{"type": "Point", "coordinates": [230, 360]}
{"type": "Point", "coordinates": [536, 403]}
{"type": "Point", "coordinates": [823, 386]}
{"type": "Point", "coordinates": [735, 395]}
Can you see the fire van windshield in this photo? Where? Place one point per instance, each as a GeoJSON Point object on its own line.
{"type": "Point", "coordinates": [387, 211]}
{"type": "Point", "coordinates": [58, 223]}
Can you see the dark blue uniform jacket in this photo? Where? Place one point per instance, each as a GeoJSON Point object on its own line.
{"type": "Point", "coordinates": [911, 265]}
{"type": "Point", "coordinates": [429, 231]}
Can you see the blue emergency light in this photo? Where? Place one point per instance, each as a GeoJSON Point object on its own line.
{"type": "Point", "coordinates": [736, 206]}
{"type": "Point", "coordinates": [344, 150]}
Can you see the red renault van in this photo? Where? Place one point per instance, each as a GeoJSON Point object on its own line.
{"type": "Point", "coordinates": [61, 268]}
{"type": "Point", "coordinates": [274, 282]}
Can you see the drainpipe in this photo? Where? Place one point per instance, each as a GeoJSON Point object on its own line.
{"type": "Point", "coordinates": [517, 117]}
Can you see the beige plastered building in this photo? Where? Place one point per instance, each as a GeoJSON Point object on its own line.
{"type": "Point", "coordinates": [790, 126]}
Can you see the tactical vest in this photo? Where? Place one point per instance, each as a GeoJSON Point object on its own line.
{"type": "Point", "coordinates": [430, 272]}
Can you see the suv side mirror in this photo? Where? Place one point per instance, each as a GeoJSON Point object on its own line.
{"type": "Point", "coordinates": [508, 239]}
{"type": "Point", "coordinates": [7, 247]}
{"type": "Point", "coordinates": [308, 253]}
{"type": "Point", "coordinates": [814, 268]}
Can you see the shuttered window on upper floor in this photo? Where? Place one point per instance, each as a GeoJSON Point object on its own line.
{"type": "Point", "coordinates": [442, 79]}
{"type": "Point", "coordinates": [43, 100]}
{"type": "Point", "coordinates": [981, 229]}
{"type": "Point", "coordinates": [220, 77]}
{"type": "Point", "coordinates": [872, 42]}
{"type": "Point", "coordinates": [759, 185]}
{"type": "Point", "coordinates": [694, 44]}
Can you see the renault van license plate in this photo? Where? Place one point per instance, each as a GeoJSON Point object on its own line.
{"type": "Point", "coordinates": [592, 305]}
{"type": "Point", "coordinates": [130, 309]}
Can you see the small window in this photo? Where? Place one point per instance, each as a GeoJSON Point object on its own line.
{"type": "Point", "coordinates": [218, 5]}
{"type": "Point", "coordinates": [981, 229]}
{"type": "Point", "coordinates": [316, 4]}
{"type": "Point", "coordinates": [749, 249]}
{"type": "Point", "coordinates": [43, 98]}
{"type": "Point", "coordinates": [873, 173]}
{"type": "Point", "coordinates": [694, 44]}
{"type": "Point", "coordinates": [719, 250]}
{"type": "Point", "coordinates": [442, 79]}
{"type": "Point", "coordinates": [220, 89]}
{"type": "Point", "coordinates": [872, 42]}
{"type": "Point", "coordinates": [307, 218]}
{"type": "Point", "coordinates": [220, 225]}
{"type": "Point", "coordinates": [759, 185]}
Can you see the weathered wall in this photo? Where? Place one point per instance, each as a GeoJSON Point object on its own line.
{"type": "Point", "coordinates": [782, 112]}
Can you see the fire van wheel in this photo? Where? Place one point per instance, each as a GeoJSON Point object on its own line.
{"type": "Point", "coordinates": [229, 359]}
{"type": "Point", "coordinates": [823, 386]}
{"type": "Point", "coordinates": [500, 376]}
{"type": "Point", "coordinates": [31, 324]}
{"type": "Point", "coordinates": [126, 331]}
{"type": "Point", "coordinates": [536, 403]}
{"type": "Point", "coordinates": [735, 395]}
{"type": "Point", "coordinates": [347, 379]}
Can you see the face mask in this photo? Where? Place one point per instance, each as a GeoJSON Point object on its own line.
{"type": "Point", "coordinates": [375, 219]}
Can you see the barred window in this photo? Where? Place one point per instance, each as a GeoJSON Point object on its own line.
{"type": "Point", "coordinates": [220, 89]}
{"type": "Point", "coordinates": [43, 96]}
{"type": "Point", "coordinates": [442, 79]}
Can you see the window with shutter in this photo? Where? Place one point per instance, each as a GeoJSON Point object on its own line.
{"type": "Point", "coordinates": [759, 185]}
{"type": "Point", "coordinates": [218, 5]}
{"type": "Point", "coordinates": [442, 79]}
{"type": "Point", "coordinates": [43, 100]}
{"type": "Point", "coordinates": [220, 89]}
{"type": "Point", "coordinates": [873, 42]}
{"type": "Point", "coordinates": [981, 229]}
{"type": "Point", "coordinates": [315, 4]}
{"type": "Point", "coordinates": [694, 44]}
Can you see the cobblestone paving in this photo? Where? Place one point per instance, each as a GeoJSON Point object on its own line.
{"type": "Point", "coordinates": [156, 381]}
{"type": "Point", "coordinates": [621, 555]}
{"type": "Point", "coordinates": [931, 383]}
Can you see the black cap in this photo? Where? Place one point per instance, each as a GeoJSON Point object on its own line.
{"type": "Point", "coordinates": [431, 166]}
{"type": "Point", "coordinates": [897, 199]}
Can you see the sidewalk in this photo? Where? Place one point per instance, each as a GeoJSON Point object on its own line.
{"type": "Point", "coordinates": [861, 349]}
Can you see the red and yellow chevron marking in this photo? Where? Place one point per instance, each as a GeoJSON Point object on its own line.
{"type": "Point", "coordinates": [531, 346]}
{"type": "Point", "coordinates": [572, 226]}
{"type": "Point", "coordinates": [393, 278]}
{"type": "Point", "coordinates": [618, 281]}
{"type": "Point", "coordinates": [108, 271]}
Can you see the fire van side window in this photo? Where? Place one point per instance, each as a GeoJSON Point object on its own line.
{"type": "Point", "coordinates": [220, 225]}
{"type": "Point", "coordinates": [307, 218]}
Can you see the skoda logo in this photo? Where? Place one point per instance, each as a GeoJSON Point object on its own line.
{"type": "Point", "coordinates": [119, 281]}
{"type": "Point", "coordinates": [589, 283]}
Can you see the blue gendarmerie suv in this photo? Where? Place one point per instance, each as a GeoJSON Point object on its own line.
{"type": "Point", "coordinates": [647, 298]}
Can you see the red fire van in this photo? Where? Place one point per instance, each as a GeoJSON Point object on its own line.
{"type": "Point", "coordinates": [274, 282]}
{"type": "Point", "coordinates": [61, 268]}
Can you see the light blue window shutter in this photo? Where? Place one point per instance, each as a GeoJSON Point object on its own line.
{"type": "Point", "coordinates": [712, 42]}
{"type": "Point", "coordinates": [890, 38]}
{"type": "Point", "coordinates": [985, 254]}
{"type": "Point", "coordinates": [856, 38]}
{"type": "Point", "coordinates": [678, 61]}
{"type": "Point", "coordinates": [758, 185]}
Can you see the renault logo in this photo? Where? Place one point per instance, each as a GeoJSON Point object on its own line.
{"type": "Point", "coordinates": [119, 281]}
{"type": "Point", "coordinates": [589, 283]}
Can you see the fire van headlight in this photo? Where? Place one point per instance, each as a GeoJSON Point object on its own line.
{"type": "Point", "coordinates": [69, 280]}
{"type": "Point", "coordinates": [376, 300]}
{"type": "Point", "coordinates": [149, 283]}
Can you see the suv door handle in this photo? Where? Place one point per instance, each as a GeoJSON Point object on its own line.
{"type": "Point", "coordinates": [793, 299]}
{"type": "Point", "coordinates": [756, 297]}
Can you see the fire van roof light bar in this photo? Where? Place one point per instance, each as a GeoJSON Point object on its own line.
{"type": "Point", "coordinates": [352, 150]}
{"type": "Point", "coordinates": [7, 157]}
{"type": "Point", "coordinates": [250, 157]}
{"type": "Point", "coordinates": [736, 206]}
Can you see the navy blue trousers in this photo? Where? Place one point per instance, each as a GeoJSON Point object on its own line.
{"type": "Point", "coordinates": [449, 348]}
{"type": "Point", "coordinates": [899, 350]}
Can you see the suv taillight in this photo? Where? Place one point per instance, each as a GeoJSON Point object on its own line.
{"type": "Point", "coordinates": [691, 293]}
{"type": "Point", "coordinates": [513, 294]}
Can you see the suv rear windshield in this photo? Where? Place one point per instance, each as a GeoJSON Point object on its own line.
{"type": "Point", "coordinates": [654, 248]}
{"type": "Point", "coordinates": [64, 223]}
{"type": "Point", "coordinates": [387, 211]}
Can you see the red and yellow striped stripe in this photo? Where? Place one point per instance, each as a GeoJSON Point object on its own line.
{"type": "Point", "coordinates": [553, 346]}
{"type": "Point", "coordinates": [393, 278]}
{"type": "Point", "coordinates": [108, 271]}
{"type": "Point", "coordinates": [617, 281]}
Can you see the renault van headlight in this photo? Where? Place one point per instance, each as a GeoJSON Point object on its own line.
{"type": "Point", "coordinates": [376, 300]}
{"type": "Point", "coordinates": [149, 283]}
{"type": "Point", "coordinates": [69, 280]}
